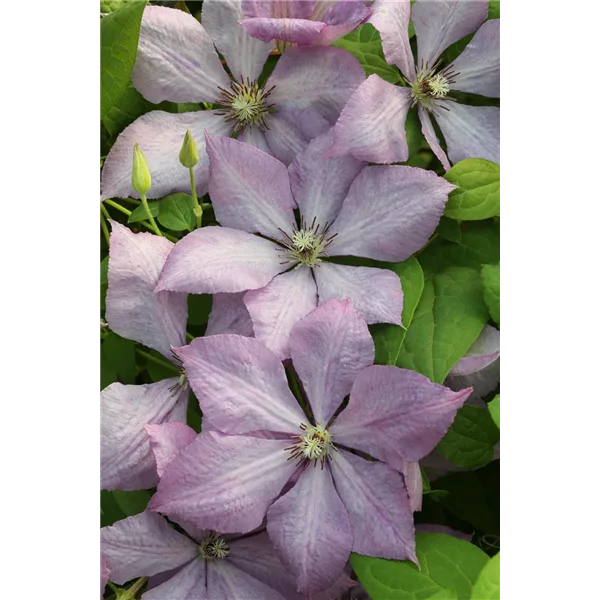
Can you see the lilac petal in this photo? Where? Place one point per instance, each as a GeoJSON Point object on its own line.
{"type": "Point", "coordinates": [187, 584]}
{"type": "Point", "coordinates": [375, 293]}
{"type": "Point", "coordinates": [321, 79]}
{"type": "Point", "coordinates": [389, 213]}
{"type": "Point", "coordinates": [319, 185]}
{"type": "Point", "coordinates": [297, 31]}
{"type": "Point", "coordinates": [377, 504]}
{"type": "Point", "coordinates": [245, 56]}
{"type": "Point", "coordinates": [329, 348]}
{"type": "Point", "coordinates": [338, 589]}
{"type": "Point", "coordinates": [167, 440]}
{"type": "Point", "coordinates": [224, 482]}
{"type": "Point", "coordinates": [249, 189]}
{"type": "Point", "coordinates": [413, 480]}
{"type": "Point", "coordinates": [104, 574]}
{"type": "Point", "coordinates": [143, 545]}
{"type": "Point", "coordinates": [311, 531]}
{"type": "Point", "coordinates": [342, 18]}
{"type": "Point", "coordinates": [390, 18]}
{"type": "Point", "coordinates": [478, 67]}
{"type": "Point", "coordinates": [398, 412]}
{"type": "Point", "coordinates": [297, 9]}
{"type": "Point", "coordinates": [241, 386]}
{"type": "Point", "coordinates": [255, 137]}
{"type": "Point", "coordinates": [225, 580]}
{"type": "Point", "coordinates": [276, 308]}
{"type": "Point", "coordinates": [127, 462]}
{"type": "Point", "coordinates": [176, 59]}
{"type": "Point", "coordinates": [470, 131]}
{"type": "Point", "coordinates": [440, 23]}
{"type": "Point", "coordinates": [229, 315]}
{"type": "Point", "coordinates": [290, 130]}
{"type": "Point", "coordinates": [218, 259]}
{"type": "Point", "coordinates": [160, 135]}
{"type": "Point", "coordinates": [372, 124]}
{"type": "Point", "coordinates": [483, 352]}
{"type": "Point", "coordinates": [483, 382]}
{"type": "Point", "coordinates": [431, 136]}
{"type": "Point", "coordinates": [133, 310]}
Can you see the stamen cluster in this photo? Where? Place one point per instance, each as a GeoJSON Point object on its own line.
{"type": "Point", "coordinates": [213, 547]}
{"type": "Point", "coordinates": [313, 445]}
{"type": "Point", "coordinates": [431, 84]}
{"type": "Point", "coordinates": [182, 383]}
{"type": "Point", "coordinates": [307, 244]}
{"type": "Point", "coordinates": [246, 104]}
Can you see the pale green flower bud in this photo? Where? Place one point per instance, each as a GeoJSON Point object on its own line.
{"type": "Point", "coordinates": [140, 173]}
{"type": "Point", "coordinates": [188, 156]}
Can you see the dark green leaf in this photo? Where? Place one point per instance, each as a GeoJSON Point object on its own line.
{"type": "Point", "coordinates": [487, 586]}
{"type": "Point", "coordinates": [132, 503]}
{"type": "Point", "coordinates": [490, 274]}
{"type": "Point", "coordinates": [109, 509]}
{"type": "Point", "coordinates": [494, 407]}
{"type": "Point", "coordinates": [199, 307]}
{"type": "Point", "coordinates": [108, 6]}
{"type": "Point", "coordinates": [103, 281]}
{"type": "Point", "coordinates": [450, 230]}
{"type": "Point", "coordinates": [494, 9]}
{"type": "Point", "coordinates": [177, 212]}
{"type": "Point", "coordinates": [140, 214]}
{"type": "Point", "coordinates": [118, 354]}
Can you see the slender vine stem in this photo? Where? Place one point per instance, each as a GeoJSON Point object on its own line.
{"type": "Point", "coordinates": [104, 226]}
{"type": "Point", "coordinates": [158, 361]}
{"type": "Point", "coordinates": [197, 206]}
{"type": "Point", "coordinates": [147, 225]}
{"type": "Point", "coordinates": [150, 217]}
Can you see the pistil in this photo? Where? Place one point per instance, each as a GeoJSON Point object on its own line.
{"type": "Point", "coordinates": [213, 547]}
{"type": "Point", "coordinates": [306, 245]}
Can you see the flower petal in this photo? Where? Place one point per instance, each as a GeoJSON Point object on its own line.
{"type": "Point", "coordinates": [104, 575]}
{"type": "Point", "coordinates": [187, 584]}
{"type": "Point", "coordinates": [443, 22]}
{"type": "Point", "coordinates": [342, 18]}
{"type": "Point", "coordinates": [160, 135]}
{"type": "Point", "coordinates": [470, 131]}
{"type": "Point", "coordinates": [127, 462]}
{"type": "Point", "coordinates": [372, 124]}
{"type": "Point", "coordinates": [245, 56]}
{"type": "Point", "coordinates": [311, 531]}
{"type": "Point", "coordinates": [316, 78]}
{"type": "Point", "coordinates": [176, 59]}
{"type": "Point", "coordinates": [431, 137]}
{"type": "Point", "coordinates": [224, 482]}
{"type": "Point", "coordinates": [483, 352]}
{"type": "Point", "coordinates": [377, 504]}
{"type": "Point", "coordinates": [319, 184]}
{"type": "Point", "coordinates": [375, 293]}
{"type": "Point", "coordinates": [241, 386]}
{"type": "Point", "coordinates": [478, 67]}
{"type": "Point", "coordinates": [277, 307]}
{"type": "Point", "coordinates": [396, 412]}
{"type": "Point", "coordinates": [297, 31]}
{"type": "Point", "coordinates": [413, 480]}
{"type": "Point", "coordinates": [249, 189]}
{"type": "Point", "coordinates": [389, 213]}
{"type": "Point", "coordinates": [133, 310]}
{"type": "Point", "coordinates": [390, 18]}
{"type": "Point", "coordinates": [255, 137]}
{"type": "Point", "coordinates": [218, 259]}
{"type": "Point", "coordinates": [143, 545]}
{"type": "Point", "coordinates": [167, 440]}
{"type": "Point", "coordinates": [225, 580]}
{"type": "Point", "coordinates": [297, 9]}
{"type": "Point", "coordinates": [329, 348]}
{"type": "Point", "coordinates": [483, 382]}
{"type": "Point", "coordinates": [229, 315]}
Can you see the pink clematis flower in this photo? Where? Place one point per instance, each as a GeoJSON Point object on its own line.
{"type": "Point", "coordinates": [384, 213]}
{"type": "Point", "coordinates": [228, 478]}
{"type": "Point", "coordinates": [177, 61]}
{"type": "Point", "coordinates": [371, 126]}
{"type": "Point", "coordinates": [303, 22]}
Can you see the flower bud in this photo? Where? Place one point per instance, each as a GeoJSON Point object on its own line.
{"type": "Point", "coordinates": [188, 156]}
{"type": "Point", "coordinates": [141, 180]}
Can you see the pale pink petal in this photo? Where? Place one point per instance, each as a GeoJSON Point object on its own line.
{"type": "Point", "coordinates": [439, 23]}
{"type": "Point", "coordinates": [431, 136]}
{"type": "Point", "coordinates": [143, 545]}
{"type": "Point", "coordinates": [311, 531]}
{"type": "Point", "coordinates": [342, 17]}
{"type": "Point", "coordinates": [372, 124]}
{"type": "Point", "coordinates": [483, 382]}
{"type": "Point", "coordinates": [187, 584]}
{"type": "Point", "coordinates": [413, 480]}
{"type": "Point", "coordinates": [329, 348]}
{"type": "Point", "coordinates": [478, 67]}
{"type": "Point", "coordinates": [390, 18]}
{"type": "Point", "coordinates": [176, 59]}
{"type": "Point", "coordinates": [483, 352]}
{"type": "Point", "coordinates": [396, 412]}
{"type": "Point", "coordinates": [241, 386]}
{"type": "Point", "coordinates": [244, 55]}
{"type": "Point", "coordinates": [297, 9]}
{"type": "Point", "coordinates": [167, 440]}
{"type": "Point", "coordinates": [229, 315]}
{"type": "Point", "coordinates": [133, 310]}
{"type": "Point", "coordinates": [160, 135]}
{"type": "Point", "coordinates": [319, 184]}
{"type": "Point", "coordinates": [297, 31]}
{"type": "Point", "coordinates": [249, 189]}
{"type": "Point", "coordinates": [104, 575]}
{"type": "Point", "coordinates": [377, 504]}
{"type": "Point", "coordinates": [375, 293]}
{"type": "Point", "coordinates": [224, 482]}
{"type": "Point", "coordinates": [390, 213]}
{"type": "Point", "coordinates": [217, 259]}
{"type": "Point", "coordinates": [127, 462]}
{"type": "Point", "coordinates": [255, 137]}
{"type": "Point", "coordinates": [276, 308]}
{"type": "Point", "coordinates": [227, 581]}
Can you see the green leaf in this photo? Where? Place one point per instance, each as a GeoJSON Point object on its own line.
{"type": "Point", "coordinates": [108, 6]}
{"type": "Point", "coordinates": [140, 214]}
{"type": "Point", "coordinates": [119, 34]}
{"type": "Point", "coordinates": [132, 503]}
{"type": "Point", "coordinates": [199, 307]}
{"type": "Point", "coordinates": [365, 44]}
{"type": "Point", "coordinates": [470, 440]}
{"type": "Point", "coordinates": [449, 569]}
{"type": "Point", "coordinates": [177, 212]}
{"type": "Point", "coordinates": [118, 354]}
{"type": "Point", "coordinates": [478, 193]}
{"type": "Point", "coordinates": [450, 230]}
{"type": "Point", "coordinates": [494, 9]}
{"type": "Point", "coordinates": [103, 282]}
{"type": "Point", "coordinates": [389, 338]}
{"type": "Point", "coordinates": [490, 275]}
{"type": "Point", "coordinates": [494, 408]}
{"type": "Point", "coordinates": [487, 586]}
{"type": "Point", "coordinates": [109, 509]}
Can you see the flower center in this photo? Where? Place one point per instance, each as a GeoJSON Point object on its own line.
{"type": "Point", "coordinates": [314, 444]}
{"type": "Point", "coordinates": [246, 104]}
{"type": "Point", "coordinates": [431, 85]}
{"type": "Point", "coordinates": [213, 547]}
{"type": "Point", "coordinates": [182, 383]}
{"type": "Point", "coordinates": [307, 244]}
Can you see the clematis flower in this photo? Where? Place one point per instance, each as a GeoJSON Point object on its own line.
{"type": "Point", "coordinates": [230, 476]}
{"type": "Point", "coordinates": [303, 22]}
{"type": "Point", "coordinates": [346, 208]}
{"type": "Point", "coordinates": [176, 61]}
{"type": "Point", "coordinates": [371, 126]}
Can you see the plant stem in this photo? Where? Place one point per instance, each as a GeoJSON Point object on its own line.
{"type": "Point", "coordinates": [104, 226]}
{"type": "Point", "coordinates": [150, 217]}
{"type": "Point", "coordinates": [137, 586]}
{"type": "Point", "coordinates": [197, 207]}
{"type": "Point", "coordinates": [144, 223]}
{"type": "Point", "coordinates": [133, 200]}
{"type": "Point", "coordinates": [118, 207]}
{"type": "Point", "coordinates": [158, 361]}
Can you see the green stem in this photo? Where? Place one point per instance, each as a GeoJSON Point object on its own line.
{"type": "Point", "coordinates": [104, 226]}
{"type": "Point", "coordinates": [144, 223]}
{"type": "Point", "coordinates": [118, 207]}
{"type": "Point", "coordinates": [158, 361]}
{"type": "Point", "coordinates": [137, 586]}
{"type": "Point", "coordinates": [189, 337]}
{"type": "Point", "coordinates": [150, 217]}
{"type": "Point", "coordinates": [197, 207]}
{"type": "Point", "coordinates": [133, 200]}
